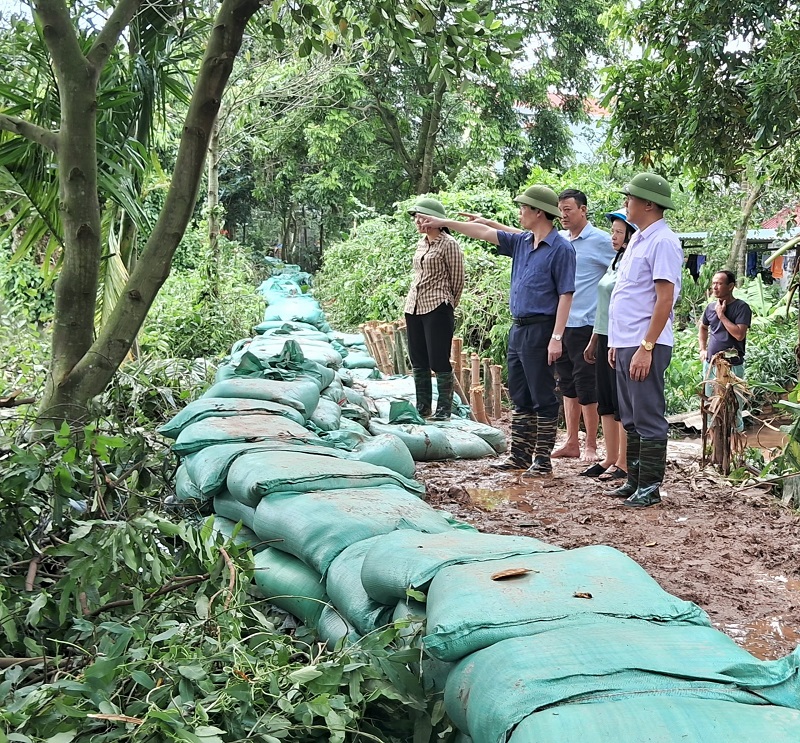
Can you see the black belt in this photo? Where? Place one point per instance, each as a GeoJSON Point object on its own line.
{"type": "Point", "coordinates": [533, 319]}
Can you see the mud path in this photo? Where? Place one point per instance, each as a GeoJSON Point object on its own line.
{"type": "Point", "coordinates": [735, 552]}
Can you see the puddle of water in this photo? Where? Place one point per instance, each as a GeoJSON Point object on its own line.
{"type": "Point", "coordinates": [489, 498]}
{"type": "Point", "coordinates": [764, 637]}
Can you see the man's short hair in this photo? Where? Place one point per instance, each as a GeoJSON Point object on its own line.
{"type": "Point", "coordinates": [573, 193]}
{"type": "Point", "coordinates": [730, 275]}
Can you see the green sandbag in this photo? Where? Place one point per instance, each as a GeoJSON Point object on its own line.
{"type": "Point", "coordinates": [347, 424]}
{"type": "Point", "coordinates": [290, 584]}
{"type": "Point", "coordinates": [273, 324]}
{"type": "Point", "coordinates": [261, 474]}
{"type": "Point", "coordinates": [384, 450]}
{"type": "Point", "coordinates": [305, 521]}
{"type": "Point", "coordinates": [343, 584]}
{"type": "Point", "coordinates": [655, 720]}
{"type": "Point", "coordinates": [301, 394]}
{"type": "Point", "coordinates": [433, 672]}
{"type": "Point", "coordinates": [326, 415]}
{"type": "Point", "coordinates": [335, 392]}
{"type": "Point", "coordinates": [265, 348]}
{"type": "Point", "coordinates": [491, 691]}
{"type": "Point", "coordinates": [285, 334]}
{"type": "Point", "coordinates": [225, 407]}
{"type": "Point", "coordinates": [241, 429]}
{"type": "Point", "coordinates": [355, 413]}
{"type": "Point", "coordinates": [237, 532]}
{"type": "Point", "coordinates": [492, 436]}
{"type": "Point", "coordinates": [333, 628]}
{"type": "Point", "coordinates": [227, 506]}
{"type": "Point", "coordinates": [296, 309]}
{"type": "Point", "coordinates": [354, 397]}
{"type": "Point", "coordinates": [468, 610]}
{"type": "Point", "coordinates": [209, 467]}
{"type": "Point", "coordinates": [426, 443]}
{"type": "Point", "coordinates": [397, 386]}
{"type": "Point", "coordinates": [467, 445]}
{"type": "Point", "coordinates": [403, 559]}
{"type": "Point", "coordinates": [186, 491]}
{"type": "Point", "coordinates": [359, 360]}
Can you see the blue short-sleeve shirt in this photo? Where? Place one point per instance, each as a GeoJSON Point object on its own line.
{"type": "Point", "coordinates": [538, 275]}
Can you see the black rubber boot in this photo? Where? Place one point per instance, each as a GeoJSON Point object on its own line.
{"type": "Point", "coordinates": [652, 463]}
{"type": "Point", "coordinates": [424, 391]}
{"type": "Point", "coordinates": [547, 429]}
{"type": "Point", "coordinates": [444, 401]}
{"type": "Point", "coordinates": [631, 485]}
{"type": "Point", "coordinates": [523, 441]}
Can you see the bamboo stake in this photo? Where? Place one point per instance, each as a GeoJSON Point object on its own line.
{"type": "Point", "coordinates": [402, 340]}
{"type": "Point", "coordinates": [487, 387]}
{"type": "Point", "coordinates": [476, 369]}
{"type": "Point", "coordinates": [476, 401]}
{"type": "Point", "coordinates": [464, 377]}
{"type": "Point", "coordinates": [455, 356]}
{"type": "Point", "coordinates": [460, 392]}
{"type": "Point", "coordinates": [497, 390]}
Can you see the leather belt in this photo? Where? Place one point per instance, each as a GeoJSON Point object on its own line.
{"type": "Point", "coordinates": [533, 319]}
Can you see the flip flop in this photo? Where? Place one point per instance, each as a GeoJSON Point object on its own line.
{"type": "Point", "coordinates": [615, 474]}
{"type": "Point", "coordinates": [594, 471]}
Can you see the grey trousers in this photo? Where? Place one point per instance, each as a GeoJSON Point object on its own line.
{"type": "Point", "coordinates": [642, 407]}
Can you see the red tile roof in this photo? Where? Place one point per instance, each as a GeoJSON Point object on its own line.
{"type": "Point", "coordinates": [783, 218]}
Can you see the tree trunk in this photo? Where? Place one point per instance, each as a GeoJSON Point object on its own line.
{"type": "Point", "coordinates": [430, 134]}
{"type": "Point", "coordinates": [81, 369]}
{"type": "Point", "coordinates": [212, 269]}
{"type": "Point", "coordinates": [738, 257]}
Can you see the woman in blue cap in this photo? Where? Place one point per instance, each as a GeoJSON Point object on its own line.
{"type": "Point", "coordinates": [597, 353]}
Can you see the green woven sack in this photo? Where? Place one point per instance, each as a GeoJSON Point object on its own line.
{"type": "Point", "coordinates": [301, 394]}
{"type": "Point", "coordinates": [655, 720]}
{"type": "Point", "coordinates": [343, 583]}
{"type": "Point", "coordinates": [290, 585]}
{"type": "Point", "coordinates": [239, 430]}
{"type": "Point", "coordinates": [225, 407]}
{"type": "Point", "coordinates": [185, 489]}
{"type": "Point", "coordinates": [318, 526]}
{"type": "Point", "coordinates": [326, 415]}
{"type": "Point", "coordinates": [490, 692]}
{"type": "Point", "coordinates": [426, 443]}
{"type": "Point", "coordinates": [492, 436]}
{"type": "Point", "coordinates": [236, 532]}
{"type": "Point", "coordinates": [228, 507]}
{"type": "Point", "coordinates": [208, 468]}
{"type": "Point", "coordinates": [404, 559]}
{"type": "Point", "coordinates": [261, 474]}
{"type": "Point", "coordinates": [469, 610]}
{"type": "Point", "coordinates": [333, 628]}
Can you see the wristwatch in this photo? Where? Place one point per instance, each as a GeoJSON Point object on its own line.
{"type": "Point", "coordinates": [556, 336]}
{"type": "Point", "coordinates": [647, 345]}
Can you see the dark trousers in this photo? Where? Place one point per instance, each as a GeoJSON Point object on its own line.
{"type": "Point", "coordinates": [531, 383]}
{"type": "Point", "coordinates": [607, 399]}
{"type": "Point", "coordinates": [576, 377]}
{"type": "Point", "coordinates": [429, 338]}
{"type": "Point", "coordinates": [642, 407]}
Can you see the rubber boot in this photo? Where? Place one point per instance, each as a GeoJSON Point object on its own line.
{"type": "Point", "coordinates": [444, 401]}
{"type": "Point", "coordinates": [545, 442]}
{"type": "Point", "coordinates": [424, 391]}
{"type": "Point", "coordinates": [631, 485]}
{"type": "Point", "coordinates": [652, 463]}
{"type": "Point", "coordinates": [523, 441]}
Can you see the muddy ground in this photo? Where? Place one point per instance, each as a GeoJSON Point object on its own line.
{"type": "Point", "coordinates": [735, 551]}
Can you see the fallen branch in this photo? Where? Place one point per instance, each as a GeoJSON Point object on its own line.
{"type": "Point", "coordinates": [185, 582]}
{"type": "Point", "coordinates": [14, 399]}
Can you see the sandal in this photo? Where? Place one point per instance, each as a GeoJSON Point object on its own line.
{"type": "Point", "coordinates": [616, 474]}
{"type": "Point", "coordinates": [594, 471]}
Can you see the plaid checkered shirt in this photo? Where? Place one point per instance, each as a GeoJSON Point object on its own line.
{"type": "Point", "coordinates": [438, 275]}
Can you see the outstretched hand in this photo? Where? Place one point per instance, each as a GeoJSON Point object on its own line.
{"type": "Point", "coordinates": [477, 218]}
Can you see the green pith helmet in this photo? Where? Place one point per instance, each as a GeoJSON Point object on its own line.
{"type": "Point", "coordinates": [650, 187]}
{"type": "Point", "coordinates": [540, 197]}
{"type": "Point", "coordinates": [431, 207]}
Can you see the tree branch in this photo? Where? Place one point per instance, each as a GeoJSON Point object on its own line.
{"type": "Point", "coordinates": [109, 35]}
{"type": "Point", "coordinates": [33, 132]}
{"type": "Point", "coordinates": [60, 37]}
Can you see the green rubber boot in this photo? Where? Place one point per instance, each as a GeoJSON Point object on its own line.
{"type": "Point", "coordinates": [652, 463]}
{"type": "Point", "coordinates": [545, 442]}
{"type": "Point", "coordinates": [523, 441]}
{"type": "Point", "coordinates": [424, 391]}
{"type": "Point", "coordinates": [631, 485]}
{"type": "Point", "coordinates": [444, 400]}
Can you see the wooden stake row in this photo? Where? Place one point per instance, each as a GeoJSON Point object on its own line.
{"type": "Point", "coordinates": [387, 343]}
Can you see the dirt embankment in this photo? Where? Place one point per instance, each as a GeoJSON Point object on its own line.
{"type": "Point", "coordinates": [735, 552]}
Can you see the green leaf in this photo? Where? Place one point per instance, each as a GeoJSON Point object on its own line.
{"type": "Point", "coordinates": [35, 609]}
{"type": "Point", "coordinates": [62, 737]}
{"type": "Point", "coordinates": [193, 672]}
{"type": "Point", "coordinates": [304, 675]}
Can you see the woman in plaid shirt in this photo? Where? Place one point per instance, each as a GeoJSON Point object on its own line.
{"type": "Point", "coordinates": [430, 307]}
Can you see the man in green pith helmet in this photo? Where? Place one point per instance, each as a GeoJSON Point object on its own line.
{"type": "Point", "coordinates": [640, 336]}
{"type": "Point", "coordinates": [542, 284]}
